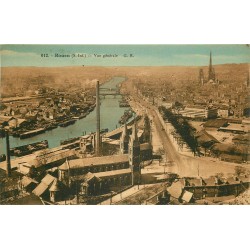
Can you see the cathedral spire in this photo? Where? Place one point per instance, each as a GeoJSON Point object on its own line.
{"type": "Point", "coordinates": [210, 62]}
{"type": "Point", "coordinates": [124, 140]}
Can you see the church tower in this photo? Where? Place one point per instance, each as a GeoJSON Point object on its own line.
{"type": "Point", "coordinates": [124, 140]}
{"type": "Point", "coordinates": [146, 129]}
{"type": "Point", "coordinates": [134, 156]}
{"type": "Point", "coordinates": [201, 77]}
{"type": "Point", "coordinates": [211, 72]}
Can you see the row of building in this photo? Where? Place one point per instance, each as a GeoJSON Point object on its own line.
{"type": "Point", "coordinates": [91, 176]}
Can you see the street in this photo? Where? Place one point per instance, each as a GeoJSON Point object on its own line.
{"type": "Point", "coordinates": [183, 165]}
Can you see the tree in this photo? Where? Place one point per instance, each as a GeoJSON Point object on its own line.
{"type": "Point", "coordinates": [219, 175]}
{"type": "Point", "coordinates": [33, 173]}
{"type": "Point", "coordinates": [160, 151]}
{"type": "Point", "coordinates": [42, 158]}
{"type": "Point", "coordinates": [239, 170]}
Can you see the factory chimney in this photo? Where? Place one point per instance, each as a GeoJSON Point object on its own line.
{"type": "Point", "coordinates": [8, 164]}
{"type": "Point", "coordinates": [97, 148]}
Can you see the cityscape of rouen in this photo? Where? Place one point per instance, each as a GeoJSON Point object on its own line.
{"type": "Point", "coordinates": [125, 125]}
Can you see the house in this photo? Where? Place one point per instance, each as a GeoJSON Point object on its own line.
{"type": "Point", "coordinates": [176, 190]}
{"type": "Point", "coordinates": [178, 194]}
{"type": "Point", "coordinates": [42, 190]}
{"type": "Point", "coordinates": [10, 120]}
{"type": "Point", "coordinates": [28, 184]}
{"type": "Point", "coordinates": [223, 111]}
{"type": "Point", "coordinates": [205, 140]}
{"type": "Point", "coordinates": [146, 151]}
{"type": "Point", "coordinates": [31, 115]}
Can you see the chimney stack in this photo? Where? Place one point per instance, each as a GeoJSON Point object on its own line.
{"type": "Point", "coordinates": [8, 163]}
{"type": "Point", "coordinates": [97, 148]}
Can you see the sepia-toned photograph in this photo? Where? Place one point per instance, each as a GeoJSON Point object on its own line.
{"type": "Point", "coordinates": [125, 125]}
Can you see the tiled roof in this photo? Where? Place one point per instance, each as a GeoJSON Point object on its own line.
{"type": "Point", "coordinates": [94, 161]}
{"type": "Point", "coordinates": [44, 185]}
{"type": "Point", "coordinates": [40, 189]}
{"type": "Point", "coordinates": [26, 181]}
{"type": "Point", "coordinates": [113, 173]}
{"type": "Point", "coordinates": [187, 196]}
{"type": "Point", "coordinates": [48, 179]}
{"type": "Point", "coordinates": [175, 190]}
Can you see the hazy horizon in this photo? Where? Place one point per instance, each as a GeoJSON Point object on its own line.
{"type": "Point", "coordinates": [122, 55]}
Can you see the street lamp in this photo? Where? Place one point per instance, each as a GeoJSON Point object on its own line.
{"type": "Point", "coordinates": [112, 193]}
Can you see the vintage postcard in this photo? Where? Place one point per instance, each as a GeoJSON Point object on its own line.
{"type": "Point", "coordinates": [124, 124]}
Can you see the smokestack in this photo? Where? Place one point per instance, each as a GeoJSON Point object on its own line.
{"type": "Point", "coordinates": [97, 120]}
{"type": "Point", "coordinates": [8, 164]}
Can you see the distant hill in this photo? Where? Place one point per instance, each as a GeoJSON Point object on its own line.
{"type": "Point", "coordinates": [16, 79]}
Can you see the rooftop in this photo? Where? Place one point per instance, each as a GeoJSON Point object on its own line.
{"type": "Point", "coordinates": [175, 190]}
{"type": "Point", "coordinates": [26, 181]}
{"type": "Point", "coordinates": [113, 173]}
{"type": "Point", "coordinates": [94, 161]}
{"type": "Point", "coordinates": [215, 123]}
{"type": "Point", "coordinates": [187, 196]}
{"type": "Point", "coordinates": [44, 185]}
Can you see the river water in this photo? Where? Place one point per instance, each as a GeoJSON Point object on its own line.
{"type": "Point", "coordinates": [110, 115]}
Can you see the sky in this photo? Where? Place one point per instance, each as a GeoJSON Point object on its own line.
{"type": "Point", "coordinates": [122, 55]}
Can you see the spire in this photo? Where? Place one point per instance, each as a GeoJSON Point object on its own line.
{"type": "Point", "coordinates": [134, 136]}
{"type": "Point", "coordinates": [125, 130]}
{"type": "Point", "coordinates": [124, 140]}
{"type": "Point", "coordinates": [211, 72]}
{"type": "Point", "coordinates": [210, 62]}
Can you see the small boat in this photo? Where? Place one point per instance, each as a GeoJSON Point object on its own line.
{"type": "Point", "coordinates": [2, 157]}
{"type": "Point", "coordinates": [16, 134]}
{"type": "Point", "coordinates": [105, 130]}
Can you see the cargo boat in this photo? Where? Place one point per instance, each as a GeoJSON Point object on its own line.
{"type": "Point", "coordinates": [50, 127]}
{"type": "Point", "coordinates": [70, 140]}
{"type": "Point", "coordinates": [32, 133]}
{"type": "Point", "coordinates": [124, 104]}
{"type": "Point", "coordinates": [29, 148]}
{"type": "Point", "coordinates": [127, 115]}
{"type": "Point", "coordinates": [67, 123]}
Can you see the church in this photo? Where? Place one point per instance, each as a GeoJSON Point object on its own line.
{"type": "Point", "coordinates": [96, 175]}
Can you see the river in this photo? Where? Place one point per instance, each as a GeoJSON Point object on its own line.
{"type": "Point", "coordinates": [110, 115]}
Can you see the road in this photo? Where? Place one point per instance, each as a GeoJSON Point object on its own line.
{"type": "Point", "coordinates": [184, 165]}
{"type": "Point", "coordinates": [168, 147]}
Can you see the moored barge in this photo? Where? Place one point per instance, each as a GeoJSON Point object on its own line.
{"type": "Point", "coordinates": [29, 148]}
{"type": "Point", "coordinates": [32, 133]}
